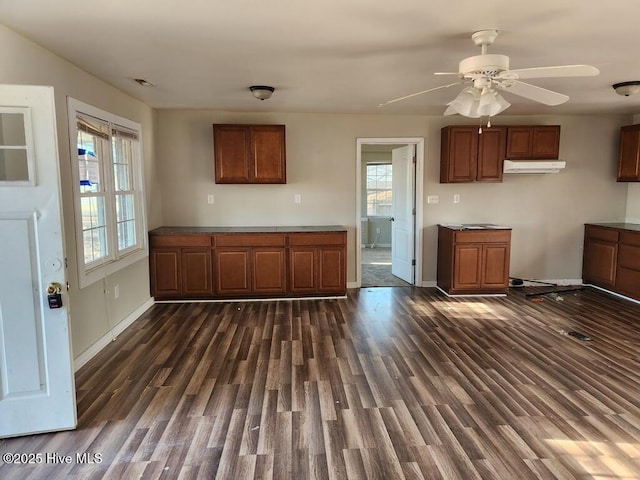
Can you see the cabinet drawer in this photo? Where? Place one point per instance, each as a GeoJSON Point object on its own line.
{"type": "Point", "coordinates": [483, 236]}
{"type": "Point", "coordinates": [629, 256]}
{"type": "Point", "coordinates": [628, 282]}
{"type": "Point", "coordinates": [605, 234]}
{"type": "Point", "coordinates": [250, 240]}
{"type": "Point", "coordinates": [630, 238]}
{"type": "Point", "coordinates": [317, 239]}
{"type": "Point", "coordinates": [203, 240]}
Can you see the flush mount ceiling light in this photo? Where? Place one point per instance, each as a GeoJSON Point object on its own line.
{"type": "Point", "coordinates": [627, 88]}
{"type": "Point", "coordinates": [261, 92]}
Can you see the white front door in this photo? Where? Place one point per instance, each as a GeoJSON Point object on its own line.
{"type": "Point", "coordinates": [402, 225]}
{"type": "Point", "coordinates": [37, 391]}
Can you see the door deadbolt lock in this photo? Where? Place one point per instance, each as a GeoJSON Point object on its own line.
{"type": "Point", "coordinates": [54, 295]}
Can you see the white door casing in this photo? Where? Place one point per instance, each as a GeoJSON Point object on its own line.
{"type": "Point", "coordinates": [402, 224]}
{"type": "Point", "coordinates": [37, 392]}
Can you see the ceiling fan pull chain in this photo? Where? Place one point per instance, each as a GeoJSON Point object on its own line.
{"type": "Point", "coordinates": [489, 122]}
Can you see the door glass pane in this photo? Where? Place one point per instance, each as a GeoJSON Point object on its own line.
{"type": "Point", "coordinates": [14, 151]}
{"type": "Point", "coordinates": [13, 165]}
{"type": "Point", "coordinates": [12, 129]}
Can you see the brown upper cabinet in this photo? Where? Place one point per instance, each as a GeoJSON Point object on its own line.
{"type": "Point", "coordinates": [629, 160]}
{"type": "Point", "coordinates": [249, 153]}
{"type": "Point", "coordinates": [469, 156]}
{"type": "Point", "coordinates": [533, 142]}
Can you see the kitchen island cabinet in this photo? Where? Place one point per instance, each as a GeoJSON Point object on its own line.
{"type": "Point", "coordinates": [473, 259]}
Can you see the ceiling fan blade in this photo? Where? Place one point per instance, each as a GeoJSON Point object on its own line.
{"type": "Point", "coordinates": [418, 93]}
{"type": "Point", "coordinates": [449, 73]}
{"type": "Point", "coordinates": [537, 94]}
{"type": "Point", "coordinates": [557, 71]}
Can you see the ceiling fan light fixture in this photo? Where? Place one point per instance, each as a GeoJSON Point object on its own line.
{"type": "Point", "coordinates": [491, 103]}
{"type": "Point", "coordinates": [627, 89]}
{"type": "Point", "coordinates": [262, 92]}
{"type": "Point", "coordinates": [465, 104]}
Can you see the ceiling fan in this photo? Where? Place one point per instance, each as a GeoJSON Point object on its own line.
{"type": "Point", "coordinates": [489, 73]}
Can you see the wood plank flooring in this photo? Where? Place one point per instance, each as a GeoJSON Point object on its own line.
{"type": "Point", "coordinates": [389, 383]}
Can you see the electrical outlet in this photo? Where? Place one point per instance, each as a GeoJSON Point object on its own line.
{"type": "Point", "coordinates": [297, 198]}
{"type": "Point", "coordinates": [456, 198]}
{"type": "Point", "coordinates": [378, 230]}
{"type": "Point", "coordinates": [210, 199]}
{"type": "Point", "coordinates": [432, 199]}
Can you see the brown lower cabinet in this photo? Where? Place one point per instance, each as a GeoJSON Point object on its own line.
{"type": "Point", "coordinates": [474, 261]}
{"type": "Point", "coordinates": [248, 265]}
{"type": "Point", "coordinates": [611, 258]}
{"type": "Point", "coordinates": [317, 263]}
{"type": "Point", "coordinates": [180, 266]}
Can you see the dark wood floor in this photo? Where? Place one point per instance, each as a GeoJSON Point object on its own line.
{"type": "Point", "coordinates": [390, 383]}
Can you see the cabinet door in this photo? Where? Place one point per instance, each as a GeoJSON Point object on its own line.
{"type": "Point", "coordinates": [546, 142]}
{"type": "Point", "coordinates": [302, 269]}
{"type": "Point", "coordinates": [268, 154]}
{"type": "Point", "coordinates": [629, 159]}
{"type": "Point", "coordinates": [166, 272]}
{"type": "Point", "coordinates": [196, 271]}
{"type": "Point", "coordinates": [495, 266]}
{"type": "Point", "coordinates": [232, 271]}
{"type": "Point", "coordinates": [268, 271]}
{"type": "Point", "coordinates": [491, 152]}
{"type": "Point", "coordinates": [599, 262]}
{"type": "Point", "coordinates": [458, 154]}
{"type": "Point", "coordinates": [533, 142]}
{"type": "Point", "coordinates": [467, 267]}
{"type": "Point", "coordinates": [519, 142]}
{"type": "Point", "coordinates": [231, 152]}
{"type": "Point", "coordinates": [331, 270]}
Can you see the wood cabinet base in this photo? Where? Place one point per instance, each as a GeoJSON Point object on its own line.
{"type": "Point", "coordinates": [473, 262]}
{"type": "Point", "coordinates": [248, 265]}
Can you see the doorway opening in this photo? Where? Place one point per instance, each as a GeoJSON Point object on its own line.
{"type": "Point", "coordinates": [389, 208]}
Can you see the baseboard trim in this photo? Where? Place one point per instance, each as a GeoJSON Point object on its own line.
{"type": "Point", "coordinates": [107, 338]}
{"type": "Point", "coordinates": [245, 300]}
{"type": "Point", "coordinates": [615, 294]}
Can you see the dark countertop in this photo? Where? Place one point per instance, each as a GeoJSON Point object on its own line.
{"type": "Point", "coordinates": [473, 226]}
{"type": "Point", "coordinates": [634, 227]}
{"type": "Point", "coordinates": [278, 229]}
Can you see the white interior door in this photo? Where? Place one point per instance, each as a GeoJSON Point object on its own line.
{"type": "Point", "coordinates": [403, 218]}
{"type": "Point", "coordinates": [37, 391]}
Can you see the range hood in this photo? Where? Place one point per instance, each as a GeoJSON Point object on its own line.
{"type": "Point", "coordinates": [533, 166]}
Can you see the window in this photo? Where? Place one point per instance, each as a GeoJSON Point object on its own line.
{"type": "Point", "coordinates": [108, 191]}
{"type": "Point", "coordinates": [379, 190]}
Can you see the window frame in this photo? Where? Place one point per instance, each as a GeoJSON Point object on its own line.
{"type": "Point", "coordinates": [115, 259]}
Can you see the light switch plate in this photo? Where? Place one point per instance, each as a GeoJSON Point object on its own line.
{"type": "Point", "coordinates": [432, 199]}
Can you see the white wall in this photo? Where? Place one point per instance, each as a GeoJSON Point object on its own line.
{"type": "Point", "coordinates": [546, 212]}
{"type": "Point", "coordinates": [93, 312]}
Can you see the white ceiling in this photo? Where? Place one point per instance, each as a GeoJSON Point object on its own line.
{"type": "Point", "coordinates": [334, 56]}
